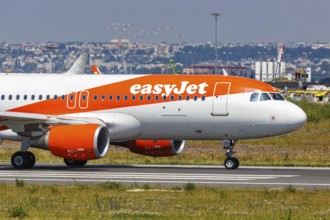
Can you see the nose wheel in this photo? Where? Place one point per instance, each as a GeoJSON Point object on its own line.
{"type": "Point", "coordinates": [231, 163]}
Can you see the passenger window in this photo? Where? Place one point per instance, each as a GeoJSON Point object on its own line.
{"type": "Point", "coordinates": [2, 97]}
{"type": "Point", "coordinates": [55, 97]}
{"type": "Point", "coordinates": [180, 98]}
{"type": "Point", "coordinates": [63, 97]}
{"type": "Point", "coordinates": [83, 97]}
{"type": "Point", "coordinates": [10, 97]}
{"type": "Point", "coordinates": [164, 98]}
{"type": "Point", "coordinates": [126, 97]}
{"type": "Point", "coordinates": [71, 97]}
{"type": "Point", "coordinates": [32, 97]}
{"type": "Point", "coordinates": [103, 97]}
{"type": "Point", "coordinates": [203, 98]}
{"type": "Point", "coordinates": [172, 97]}
{"type": "Point", "coordinates": [25, 97]}
{"type": "Point", "coordinates": [149, 97]}
{"type": "Point", "coordinates": [195, 98]}
{"type": "Point", "coordinates": [95, 97]}
{"type": "Point", "coordinates": [133, 97]}
{"type": "Point", "coordinates": [118, 97]}
{"type": "Point", "coordinates": [141, 97]}
{"type": "Point", "coordinates": [254, 97]}
{"type": "Point", "coordinates": [110, 97]}
{"type": "Point", "coordinates": [40, 97]}
{"type": "Point", "coordinates": [156, 97]}
{"type": "Point", "coordinates": [264, 97]}
{"type": "Point", "coordinates": [277, 96]}
{"type": "Point", "coordinates": [187, 98]}
{"type": "Point", "coordinates": [48, 97]}
{"type": "Point", "coordinates": [17, 97]}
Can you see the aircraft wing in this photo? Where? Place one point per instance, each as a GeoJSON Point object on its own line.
{"type": "Point", "coordinates": [25, 123]}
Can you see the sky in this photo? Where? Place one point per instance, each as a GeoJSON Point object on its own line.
{"type": "Point", "coordinates": [164, 20]}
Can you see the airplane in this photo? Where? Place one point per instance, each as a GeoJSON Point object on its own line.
{"type": "Point", "coordinates": [76, 117]}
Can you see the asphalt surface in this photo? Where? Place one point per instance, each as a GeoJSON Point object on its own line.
{"type": "Point", "coordinates": [171, 175]}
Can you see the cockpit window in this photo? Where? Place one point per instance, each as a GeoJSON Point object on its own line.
{"type": "Point", "coordinates": [277, 96]}
{"type": "Point", "coordinates": [254, 97]}
{"type": "Point", "coordinates": [265, 97]}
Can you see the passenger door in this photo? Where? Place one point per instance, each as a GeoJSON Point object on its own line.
{"type": "Point", "coordinates": [220, 99]}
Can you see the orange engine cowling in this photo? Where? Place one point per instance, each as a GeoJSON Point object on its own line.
{"type": "Point", "coordinates": [77, 142]}
{"type": "Point", "coordinates": [156, 148]}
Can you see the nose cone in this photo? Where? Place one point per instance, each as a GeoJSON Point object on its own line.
{"type": "Point", "coordinates": [296, 117]}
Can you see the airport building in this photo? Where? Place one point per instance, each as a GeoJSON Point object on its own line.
{"type": "Point", "coordinates": [210, 69]}
{"type": "Point", "coordinates": [268, 71]}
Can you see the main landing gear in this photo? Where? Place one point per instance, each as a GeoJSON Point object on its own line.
{"type": "Point", "coordinates": [231, 163]}
{"type": "Point", "coordinates": [75, 163]}
{"type": "Point", "coordinates": [23, 160]}
{"type": "Point", "coordinates": [26, 160]}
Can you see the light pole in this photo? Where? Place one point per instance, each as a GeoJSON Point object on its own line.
{"type": "Point", "coordinates": [50, 48]}
{"type": "Point", "coordinates": [216, 14]}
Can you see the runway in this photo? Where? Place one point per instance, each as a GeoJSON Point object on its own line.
{"type": "Point", "coordinates": [171, 175]}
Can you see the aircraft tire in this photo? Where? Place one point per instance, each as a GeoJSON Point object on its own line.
{"type": "Point", "coordinates": [32, 159]}
{"type": "Point", "coordinates": [236, 163]}
{"type": "Point", "coordinates": [231, 163]}
{"type": "Point", "coordinates": [21, 160]}
{"type": "Point", "coordinates": [75, 163]}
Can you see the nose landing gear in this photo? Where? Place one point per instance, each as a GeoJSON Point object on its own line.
{"type": "Point", "coordinates": [231, 162]}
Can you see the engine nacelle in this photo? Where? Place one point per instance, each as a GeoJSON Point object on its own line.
{"type": "Point", "coordinates": [159, 148]}
{"type": "Point", "coordinates": [76, 142]}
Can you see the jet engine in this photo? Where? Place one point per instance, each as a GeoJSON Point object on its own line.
{"type": "Point", "coordinates": [76, 142]}
{"type": "Point", "coordinates": [156, 148]}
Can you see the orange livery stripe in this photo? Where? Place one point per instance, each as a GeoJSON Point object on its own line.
{"type": "Point", "coordinates": [152, 89]}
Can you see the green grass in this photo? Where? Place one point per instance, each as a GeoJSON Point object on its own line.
{"type": "Point", "coordinates": [99, 202]}
{"type": "Point", "coordinates": [315, 112]}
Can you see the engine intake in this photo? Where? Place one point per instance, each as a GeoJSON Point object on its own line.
{"type": "Point", "coordinates": [77, 142]}
{"type": "Point", "coordinates": [156, 148]}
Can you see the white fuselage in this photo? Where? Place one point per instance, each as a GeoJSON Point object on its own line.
{"type": "Point", "coordinates": [208, 114]}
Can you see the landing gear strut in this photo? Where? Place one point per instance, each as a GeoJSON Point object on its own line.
{"type": "Point", "coordinates": [231, 162]}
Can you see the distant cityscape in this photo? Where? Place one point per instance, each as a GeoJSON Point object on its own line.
{"type": "Point", "coordinates": [125, 57]}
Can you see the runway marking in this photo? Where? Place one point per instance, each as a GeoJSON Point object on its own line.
{"type": "Point", "coordinates": [183, 182]}
{"type": "Point", "coordinates": [128, 176]}
{"type": "Point", "coordinates": [132, 177]}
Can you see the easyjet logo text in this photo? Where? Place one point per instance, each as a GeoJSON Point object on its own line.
{"type": "Point", "coordinates": [167, 89]}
